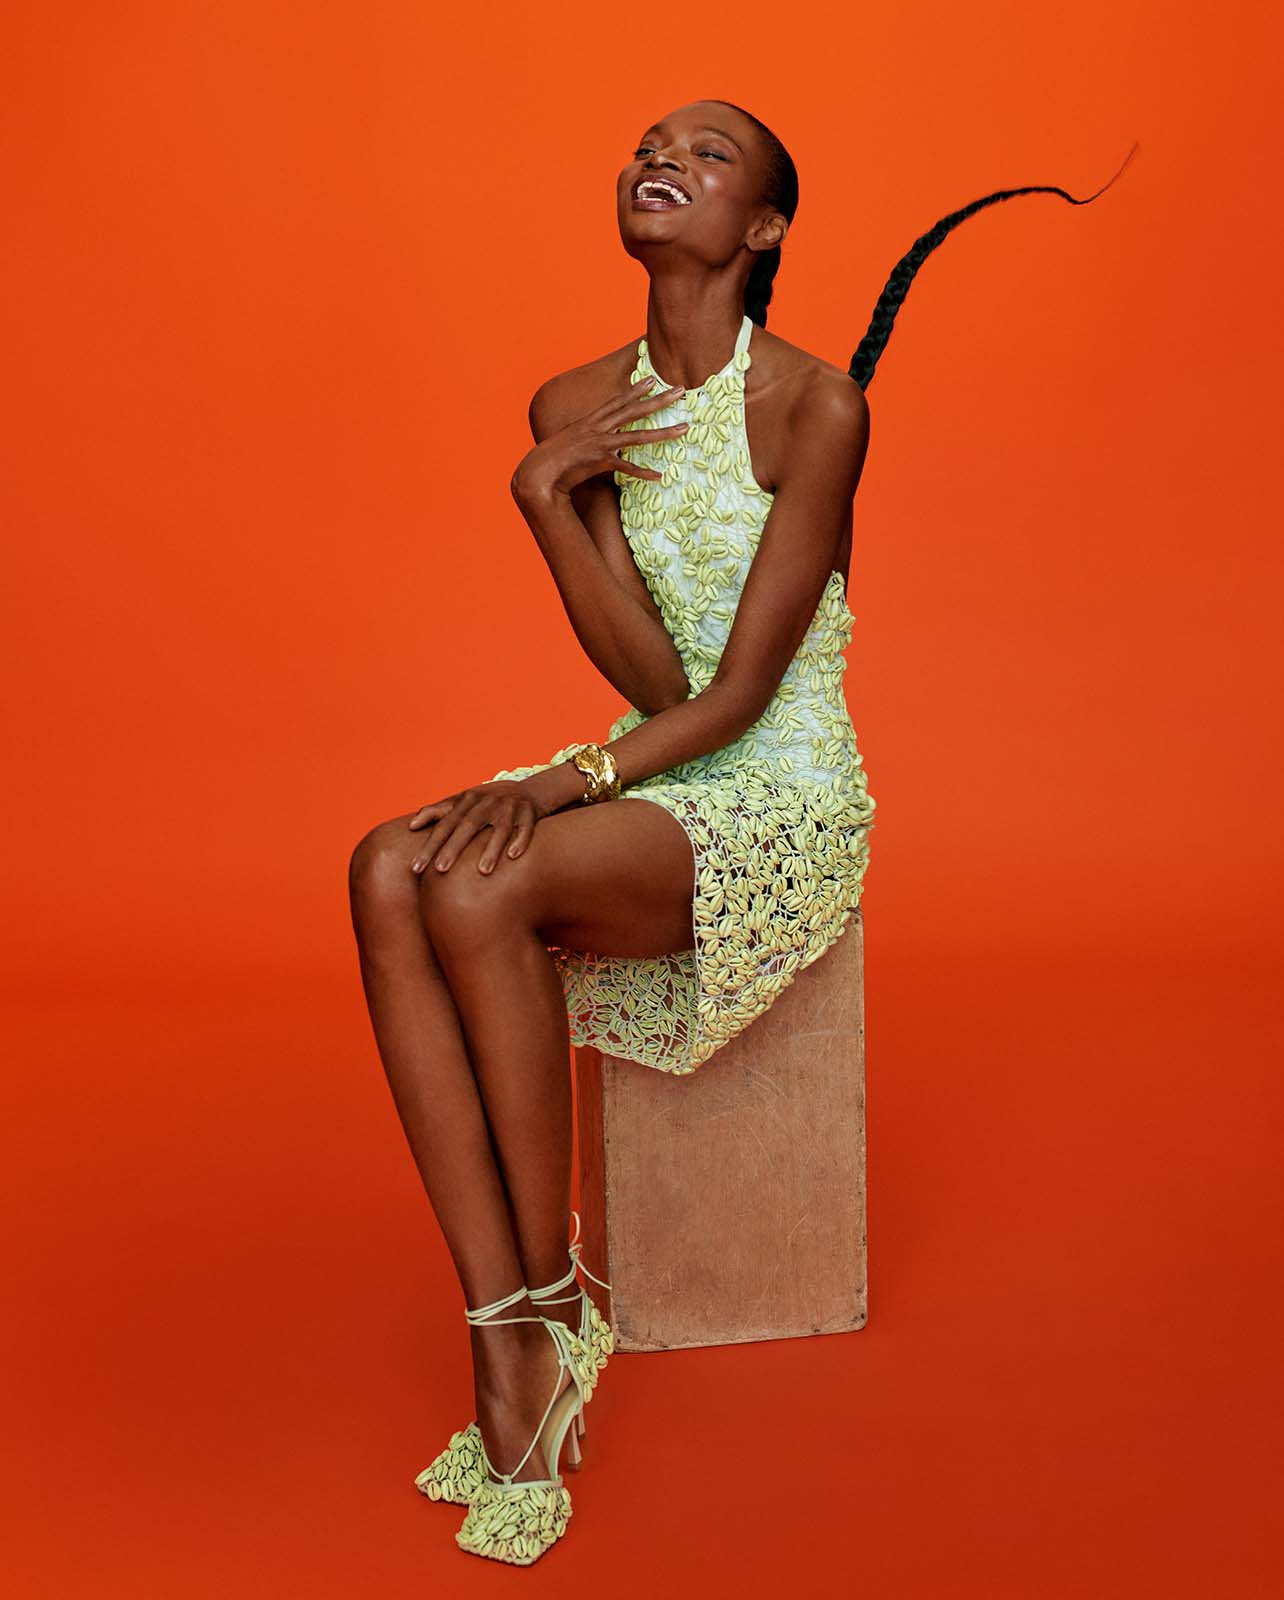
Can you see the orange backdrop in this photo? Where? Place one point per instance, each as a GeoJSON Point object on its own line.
{"type": "Point", "coordinates": [279, 283]}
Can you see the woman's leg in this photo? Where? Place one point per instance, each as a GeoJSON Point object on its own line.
{"type": "Point", "coordinates": [614, 879]}
{"type": "Point", "coordinates": [424, 1054]}
{"type": "Point", "coordinates": [425, 1058]}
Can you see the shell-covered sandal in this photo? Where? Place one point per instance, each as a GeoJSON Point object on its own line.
{"type": "Point", "coordinates": [458, 1471]}
{"type": "Point", "coordinates": [518, 1521]}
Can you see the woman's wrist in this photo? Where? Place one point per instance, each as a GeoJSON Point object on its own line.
{"type": "Point", "coordinates": [556, 788]}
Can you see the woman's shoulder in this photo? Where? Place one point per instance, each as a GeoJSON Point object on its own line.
{"type": "Point", "coordinates": [581, 389]}
{"type": "Point", "coordinates": [800, 383]}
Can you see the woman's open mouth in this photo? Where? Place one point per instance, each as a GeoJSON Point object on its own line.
{"type": "Point", "coordinates": [659, 194]}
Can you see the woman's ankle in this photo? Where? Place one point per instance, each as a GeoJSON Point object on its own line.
{"type": "Point", "coordinates": [505, 1358]}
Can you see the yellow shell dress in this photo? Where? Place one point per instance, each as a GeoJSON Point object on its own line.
{"type": "Point", "coordinates": [779, 820]}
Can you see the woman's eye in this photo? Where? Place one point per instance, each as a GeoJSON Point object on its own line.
{"type": "Point", "coordinates": [643, 148]}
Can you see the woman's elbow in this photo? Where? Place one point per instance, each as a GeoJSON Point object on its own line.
{"type": "Point", "coordinates": [666, 695]}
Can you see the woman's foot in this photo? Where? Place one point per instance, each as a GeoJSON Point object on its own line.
{"type": "Point", "coordinates": [520, 1513]}
{"type": "Point", "coordinates": [459, 1470]}
{"type": "Point", "coordinates": [515, 1369]}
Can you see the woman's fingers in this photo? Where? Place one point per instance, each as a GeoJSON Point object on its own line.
{"type": "Point", "coordinates": [601, 414]}
{"type": "Point", "coordinates": [630, 441]}
{"type": "Point", "coordinates": [591, 442]}
{"type": "Point", "coordinates": [501, 829]}
{"type": "Point", "coordinates": [644, 405]}
{"type": "Point", "coordinates": [511, 824]}
{"type": "Point", "coordinates": [635, 436]}
{"type": "Point", "coordinates": [430, 813]}
{"type": "Point", "coordinates": [637, 403]}
{"type": "Point", "coordinates": [522, 832]}
{"type": "Point", "coordinates": [443, 829]}
{"type": "Point", "coordinates": [619, 464]}
{"type": "Point", "coordinates": [431, 845]}
{"type": "Point", "coordinates": [457, 832]}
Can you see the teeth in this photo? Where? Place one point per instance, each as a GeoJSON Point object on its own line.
{"type": "Point", "coordinates": [658, 186]}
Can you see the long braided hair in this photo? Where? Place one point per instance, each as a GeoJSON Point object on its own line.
{"type": "Point", "coordinates": [781, 193]}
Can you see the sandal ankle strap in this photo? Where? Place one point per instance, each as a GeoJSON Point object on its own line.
{"type": "Point", "coordinates": [575, 1250]}
{"type": "Point", "coordinates": [483, 1314]}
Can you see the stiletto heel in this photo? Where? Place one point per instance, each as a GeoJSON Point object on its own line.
{"type": "Point", "coordinates": [518, 1521]}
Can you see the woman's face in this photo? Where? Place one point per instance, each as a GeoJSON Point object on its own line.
{"type": "Point", "coordinates": [695, 181]}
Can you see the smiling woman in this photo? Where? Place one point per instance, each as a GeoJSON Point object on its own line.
{"type": "Point", "coordinates": [655, 893]}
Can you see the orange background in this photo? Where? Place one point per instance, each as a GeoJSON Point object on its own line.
{"type": "Point", "coordinates": [278, 285]}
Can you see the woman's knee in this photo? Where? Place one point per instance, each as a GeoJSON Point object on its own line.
{"type": "Point", "coordinates": [379, 875]}
{"type": "Point", "coordinates": [464, 907]}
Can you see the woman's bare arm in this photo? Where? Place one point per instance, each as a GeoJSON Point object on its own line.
{"type": "Point", "coordinates": [581, 537]}
{"type": "Point", "coordinates": [799, 544]}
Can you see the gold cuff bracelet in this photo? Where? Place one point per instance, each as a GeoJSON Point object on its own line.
{"type": "Point", "coordinates": [601, 774]}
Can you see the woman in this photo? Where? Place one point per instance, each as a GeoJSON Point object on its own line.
{"type": "Point", "coordinates": [692, 495]}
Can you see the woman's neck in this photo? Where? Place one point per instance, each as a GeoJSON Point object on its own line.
{"type": "Point", "coordinates": [692, 326]}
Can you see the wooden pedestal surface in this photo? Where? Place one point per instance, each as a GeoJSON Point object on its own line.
{"type": "Point", "coordinates": [729, 1205]}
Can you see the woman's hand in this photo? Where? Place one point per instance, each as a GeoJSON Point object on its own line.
{"type": "Point", "coordinates": [590, 445]}
{"type": "Point", "coordinates": [508, 807]}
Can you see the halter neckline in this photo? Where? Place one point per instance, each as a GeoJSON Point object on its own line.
{"type": "Point", "coordinates": [747, 326]}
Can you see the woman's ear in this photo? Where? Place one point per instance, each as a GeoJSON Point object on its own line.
{"type": "Point", "coordinates": [768, 232]}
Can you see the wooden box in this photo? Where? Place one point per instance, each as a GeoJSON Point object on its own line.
{"type": "Point", "coordinates": [729, 1204]}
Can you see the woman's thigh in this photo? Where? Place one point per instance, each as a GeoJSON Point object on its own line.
{"type": "Point", "coordinates": [614, 879]}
